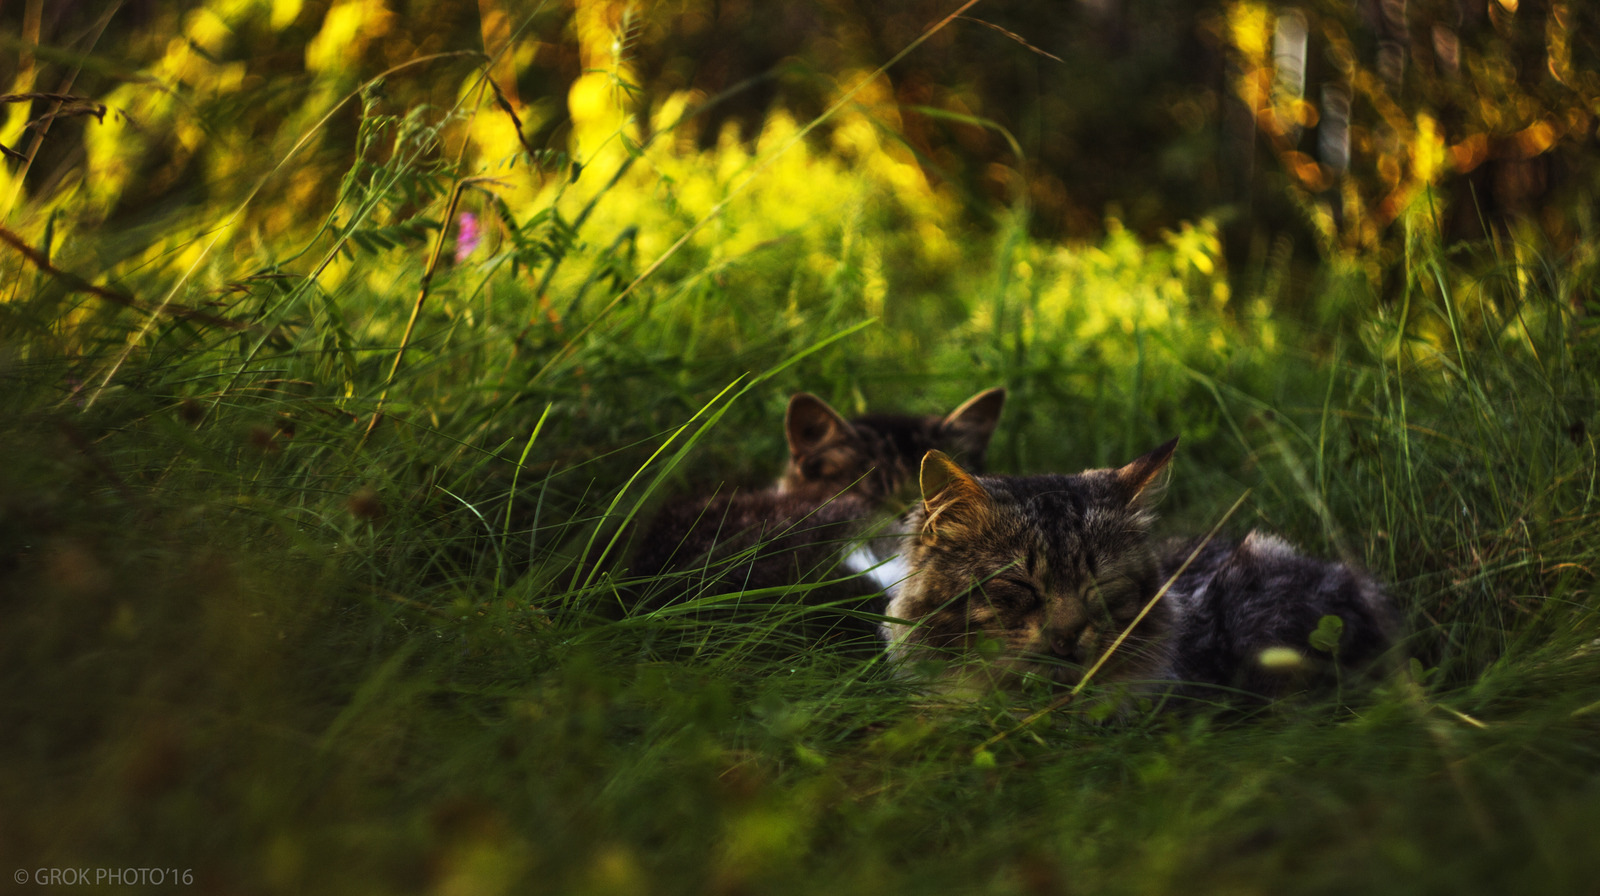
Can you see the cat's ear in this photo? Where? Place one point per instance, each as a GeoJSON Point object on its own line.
{"type": "Point", "coordinates": [952, 498]}
{"type": "Point", "coordinates": [810, 424]}
{"type": "Point", "coordinates": [970, 426]}
{"type": "Point", "coordinates": [1141, 480]}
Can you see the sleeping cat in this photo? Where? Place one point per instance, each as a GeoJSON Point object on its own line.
{"type": "Point", "coordinates": [842, 476]}
{"type": "Point", "coordinates": [1003, 579]}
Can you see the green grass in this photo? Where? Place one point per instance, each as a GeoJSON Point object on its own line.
{"type": "Point", "coordinates": [249, 634]}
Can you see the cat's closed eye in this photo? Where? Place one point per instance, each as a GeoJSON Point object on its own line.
{"type": "Point", "coordinates": [1022, 595]}
{"type": "Point", "coordinates": [1119, 597]}
{"type": "Point", "coordinates": [1011, 593]}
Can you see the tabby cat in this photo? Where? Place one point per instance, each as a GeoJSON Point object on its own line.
{"type": "Point", "coordinates": [842, 475]}
{"type": "Point", "coordinates": [1003, 579]}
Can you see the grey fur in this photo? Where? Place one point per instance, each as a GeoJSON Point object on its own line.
{"type": "Point", "coordinates": [1239, 599]}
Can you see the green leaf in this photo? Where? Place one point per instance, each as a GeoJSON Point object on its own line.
{"type": "Point", "coordinates": [1326, 637]}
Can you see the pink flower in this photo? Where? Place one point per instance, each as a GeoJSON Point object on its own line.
{"type": "Point", "coordinates": [468, 236]}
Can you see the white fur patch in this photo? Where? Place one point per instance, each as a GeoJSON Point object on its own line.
{"type": "Point", "coordinates": [887, 572]}
{"type": "Point", "coordinates": [1269, 546]}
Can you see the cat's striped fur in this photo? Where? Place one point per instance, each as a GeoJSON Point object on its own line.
{"type": "Point", "coordinates": [1005, 578]}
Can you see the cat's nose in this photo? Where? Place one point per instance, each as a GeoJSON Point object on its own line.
{"type": "Point", "coordinates": [1063, 647]}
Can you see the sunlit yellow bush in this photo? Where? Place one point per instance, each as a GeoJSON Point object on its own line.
{"type": "Point", "coordinates": [829, 220]}
{"type": "Point", "coordinates": [1106, 294]}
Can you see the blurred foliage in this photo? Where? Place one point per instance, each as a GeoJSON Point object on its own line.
{"type": "Point", "coordinates": [1353, 125]}
{"type": "Point", "coordinates": [1391, 120]}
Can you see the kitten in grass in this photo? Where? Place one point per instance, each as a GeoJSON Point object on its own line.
{"type": "Point", "coordinates": [842, 476]}
{"type": "Point", "coordinates": [1004, 579]}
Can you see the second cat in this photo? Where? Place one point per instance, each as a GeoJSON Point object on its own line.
{"type": "Point", "coordinates": [841, 477]}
